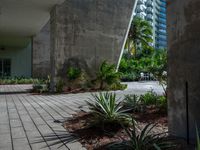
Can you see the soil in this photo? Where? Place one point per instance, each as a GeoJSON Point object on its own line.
{"type": "Point", "coordinates": [95, 138]}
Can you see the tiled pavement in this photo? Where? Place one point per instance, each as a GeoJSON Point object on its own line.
{"type": "Point", "coordinates": [20, 88]}
{"type": "Point", "coordinates": [27, 121]}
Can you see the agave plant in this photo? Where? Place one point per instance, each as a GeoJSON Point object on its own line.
{"type": "Point", "coordinates": [106, 109]}
{"type": "Point", "coordinates": [132, 102]}
{"type": "Point", "coordinates": [144, 140]}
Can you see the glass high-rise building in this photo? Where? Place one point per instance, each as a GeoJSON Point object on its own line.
{"type": "Point", "coordinates": [154, 11]}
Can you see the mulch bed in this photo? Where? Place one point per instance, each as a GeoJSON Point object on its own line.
{"type": "Point", "coordinates": [95, 138]}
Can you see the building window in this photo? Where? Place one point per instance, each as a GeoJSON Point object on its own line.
{"type": "Point", "coordinates": [5, 67]}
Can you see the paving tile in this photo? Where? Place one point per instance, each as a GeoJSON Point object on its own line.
{"type": "Point", "coordinates": [18, 132]}
{"type": "Point", "coordinates": [4, 128]}
{"type": "Point", "coordinates": [21, 144]}
{"type": "Point", "coordinates": [15, 123]}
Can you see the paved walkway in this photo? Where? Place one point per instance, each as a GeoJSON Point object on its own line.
{"type": "Point", "coordinates": [27, 122]}
{"type": "Point", "coordinates": [26, 119]}
{"type": "Point", "coordinates": [20, 88]}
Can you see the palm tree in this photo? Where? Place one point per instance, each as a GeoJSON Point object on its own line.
{"type": "Point", "coordinates": [140, 35]}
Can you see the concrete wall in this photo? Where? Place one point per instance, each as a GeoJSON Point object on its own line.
{"type": "Point", "coordinates": [86, 32]}
{"type": "Point", "coordinates": [184, 66]}
{"type": "Point", "coordinates": [20, 60]}
{"type": "Point", "coordinates": [41, 52]}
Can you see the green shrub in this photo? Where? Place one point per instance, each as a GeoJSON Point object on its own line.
{"type": "Point", "coordinates": [73, 73]}
{"type": "Point", "coordinates": [106, 110]}
{"type": "Point", "coordinates": [139, 103]}
{"type": "Point", "coordinates": [150, 98]}
{"type": "Point", "coordinates": [162, 102]}
{"type": "Point", "coordinates": [118, 86]}
{"type": "Point", "coordinates": [39, 88]}
{"type": "Point", "coordinates": [18, 80]}
{"type": "Point", "coordinates": [127, 77]}
{"type": "Point", "coordinates": [107, 75]}
{"type": "Point", "coordinates": [144, 140]}
{"type": "Point", "coordinates": [59, 86]}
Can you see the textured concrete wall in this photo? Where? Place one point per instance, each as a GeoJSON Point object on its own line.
{"type": "Point", "coordinates": [86, 32]}
{"type": "Point", "coordinates": [184, 65]}
{"type": "Point", "coordinates": [41, 53]}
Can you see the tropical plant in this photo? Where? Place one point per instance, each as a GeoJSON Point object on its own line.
{"type": "Point", "coordinates": [73, 73]}
{"type": "Point", "coordinates": [158, 67]}
{"type": "Point", "coordinates": [142, 140]}
{"type": "Point", "coordinates": [140, 34]}
{"type": "Point", "coordinates": [162, 103]}
{"type": "Point", "coordinates": [59, 86]}
{"type": "Point", "coordinates": [117, 86]}
{"type": "Point", "coordinates": [19, 80]}
{"type": "Point", "coordinates": [149, 98]}
{"type": "Point", "coordinates": [106, 109]}
{"type": "Point", "coordinates": [132, 102]}
{"type": "Point", "coordinates": [39, 88]}
{"type": "Point", "coordinates": [127, 77]}
{"type": "Point", "coordinates": [107, 75]}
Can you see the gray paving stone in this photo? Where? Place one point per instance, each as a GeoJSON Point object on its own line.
{"type": "Point", "coordinates": [21, 144]}
{"type": "Point", "coordinates": [4, 128]}
{"type": "Point", "coordinates": [26, 118]}
{"type": "Point", "coordinates": [6, 146]}
{"type": "Point", "coordinates": [18, 132]}
{"type": "Point", "coordinates": [29, 126]}
{"type": "Point", "coordinates": [15, 123]}
{"type": "Point", "coordinates": [13, 116]}
{"type": "Point", "coordinates": [39, 146]}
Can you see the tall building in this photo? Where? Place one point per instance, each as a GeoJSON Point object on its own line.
{"type": "Point", "coordinates": [154, 11]}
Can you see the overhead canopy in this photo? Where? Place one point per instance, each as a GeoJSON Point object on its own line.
{"type": "Point", "coordinates": [21, 19]}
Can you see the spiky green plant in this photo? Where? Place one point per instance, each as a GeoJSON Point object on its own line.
{"type": "Point", "coordinates": [144, 140]}
{"type": "Point", "coordinates": [106, 109]}
{"type": "Point", "coordinates": [132, 102]}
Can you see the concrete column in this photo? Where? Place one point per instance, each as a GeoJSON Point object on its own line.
{"type": "Point", "coordinates": [84, 33]}
{"type": "Point", "coordinates": [41, 53]}
{"type": "Point", "coordinates": [184, 67]}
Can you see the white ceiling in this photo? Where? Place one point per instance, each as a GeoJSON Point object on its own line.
{"type": "Point", "coordinates": [24, 18]}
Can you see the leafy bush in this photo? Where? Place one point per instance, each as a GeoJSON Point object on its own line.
{"type": "Point", "coordinates": [40, 88]}
{"type": "Point", "coordinates": [144, 140]}
{"type": "Point", "coordinates": [59, 86]}
{"type": "Point", "coordinates": [105, 109]}
{"type": "Point", "coordinates": [162, 103]}
{"type": "Point", "coordinates": [18, 80]}
{"type": "Point", "coordinates": [73, 73]}
{"type": "Point", "coordinates": [140, 103]}
{"type": "Point", "coordinates": [107, 75]}
{"type": "Point", "coordinates": [150, 98]}
{"type": "Point", "coordinates": [153, 63]}
{"type": "Point", "coordinates": [118, 86]}
{"type": "Point", "coordinates": [127, 77]}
